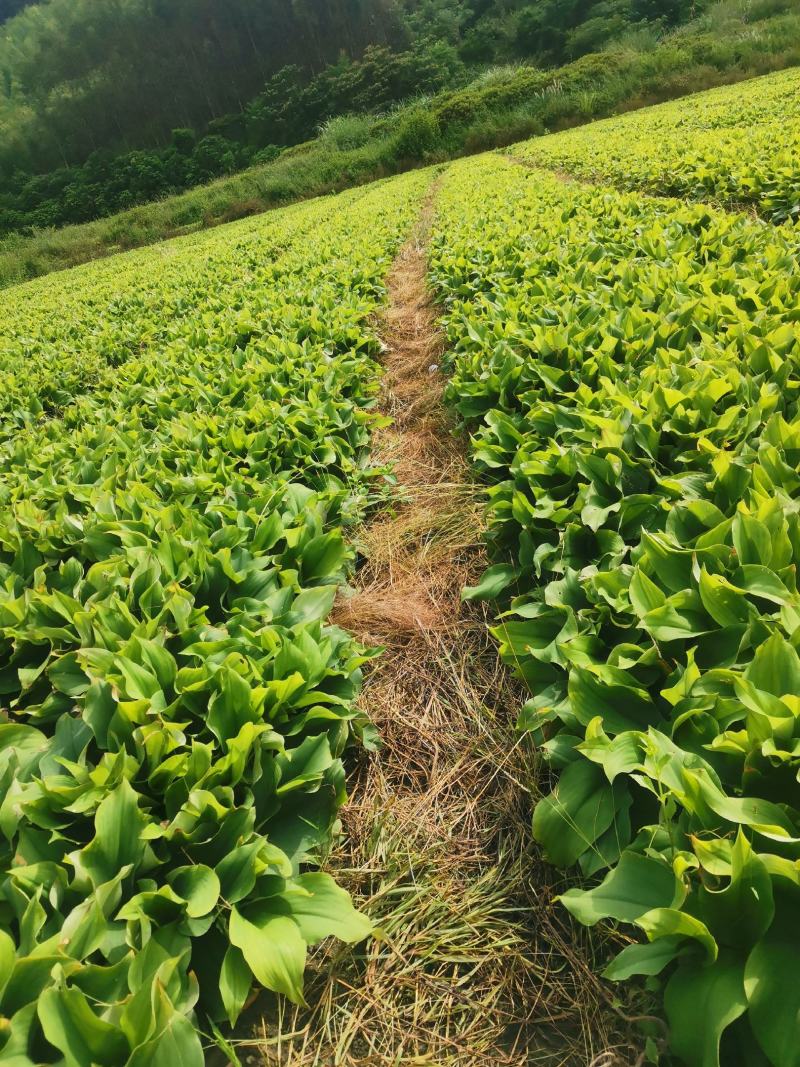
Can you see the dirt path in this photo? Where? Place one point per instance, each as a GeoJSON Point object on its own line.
{"type": "Point", "coordinates": [472, 968]}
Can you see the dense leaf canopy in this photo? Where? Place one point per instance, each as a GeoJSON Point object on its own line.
{"type": "Point", "coordinates": [183, 436]}
{"type": "Point", "coordinates": [629, 366]}
{"type": "Point", "coordinates": [89, 78]}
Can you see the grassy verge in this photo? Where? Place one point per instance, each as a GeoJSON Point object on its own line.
{"type": "Point", "coordinates": [497, 109]}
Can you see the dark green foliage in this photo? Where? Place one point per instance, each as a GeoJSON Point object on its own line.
{"type": "Point", "coordinates": [95, 73]}
{"type": "Point", "coordinates": [184, 140]}
{"type": "Point", "coordinates": [670, 12]}
{"type": "Point", "coordinates": [289, 110]}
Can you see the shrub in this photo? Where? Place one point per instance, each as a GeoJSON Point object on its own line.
{"type": "Point", "coordinates": [347, 131]}
{"type": "Point", "coordinates": [185, 214]}
{"type": "Point", "coordinates": [266, 155]}
{"type": "Point", "coordinates": [418, 135]}
{"type": "Point", "coordinates": [459, 108]}
{"type": "Point", "coordinates": [184, 139]}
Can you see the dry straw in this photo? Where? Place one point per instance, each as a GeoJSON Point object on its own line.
{"type": "Point", "coordinates": [473, 965]}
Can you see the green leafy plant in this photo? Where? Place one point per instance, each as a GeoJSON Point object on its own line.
{"type": "Point", "coordinates": [630, 371]}
{"type": "Point", "coordinates": [183, 437]}
{"type": "Point", "coordinates": [737, 144]}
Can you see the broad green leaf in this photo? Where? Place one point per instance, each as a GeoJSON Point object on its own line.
{"type": "Point", "coordinates": [647, 959]}
{"type": "Point", "coordinates": [118, 841]}
{"type": "Point", "coordinates": [701, 1001]}
{"type": "Point", "coordinates": [645, 595]}
{"type": "Point", "coordinates": [21, 1026]}
{"type": "Point", "coordinates": [761, 581]}
{"type": "Point", "coordinates": [312, 604]}
{"type": "Point", "coordinates": [619, 755]}
{"type": "Point", "coordinates": [494, 581]}
{"type": "Point", "coordinates": [67, 676]}
{"type": "Point", "coordinates": [582, 806]}
{"type": "Point", "coordinates": [752, 540]}
{"type": "Point", "coordinates": [7, 960]}
{"type": "Point", "coordinates": [235, 983]}
{"type": "Point", "coordinates": [669, 922]}
{"type": "Point", "coordinates": [140, 682]}
{"type": "Point", "coordinates": [726, 604]}
{"type": "Point", "coordinates": [322, 909]}
{"type": "Point", "coordinates": [621, 706]}
{"type": "Point", "coordinates": [238, 870]}
{"type": "Point", "coordinates": [70, 1025]}
{"type": "Point", "coordinates": [742, 911]}
{"type": "Point", "coordinates": [770, 819]}
{"type": "Point", "coordinates": [775, 667]}
{"type": "Point", "coordinates": [637, 884]}
{"type": "Point", "coordinates": [770, 982]}
{"type": "Point", "coordinates": [197, 885]}
{"type": "Point", "coordinates": [305, 764]}
{"type": "Point", "coordinates": [323, 556]}
{"type": "Point", "coordinates": [274, 950]}
{"type": "Point", "coordinates": [232, 706]}
{"type": "Point", "coordinates": [176, 1040]}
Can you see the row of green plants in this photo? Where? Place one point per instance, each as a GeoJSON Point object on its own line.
{"type": "Point", "coordinates": [629, 369]}
{"type": "Point", "coordinates": [737, 144]}
{"type": "Point", "coordinates": [174, 703]}
{"type": "Point", "coordinates": [91, 328]}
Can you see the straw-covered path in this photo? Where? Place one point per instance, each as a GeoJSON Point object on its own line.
{"type": "Point", "coordinates": [473, 967]}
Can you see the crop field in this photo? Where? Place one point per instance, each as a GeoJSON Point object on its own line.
{"type": "Point", "coordinates": [186, 458]}
{"type": "Point", "coordinates": [739, 144]}
{"type": "Point", "coordinates": [175, 706]}
{"type": "Point", "coordinates": [629, 369]}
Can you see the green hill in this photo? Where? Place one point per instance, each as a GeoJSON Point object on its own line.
{"type": "Point", "coordinates": [497, 107]}
{"type": "Point", "coordinates": [106, 105]}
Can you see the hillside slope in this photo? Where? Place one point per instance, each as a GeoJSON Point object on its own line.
{"type": "Point", "coordinates": [87, 75]}
{"type": "Point", "coordinates": [106, 105]}
{"type": "Point", "coordinates": [497, 108]}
